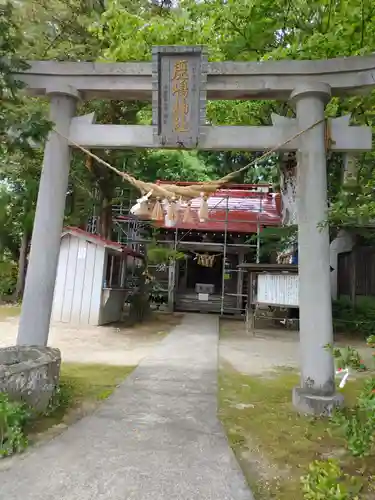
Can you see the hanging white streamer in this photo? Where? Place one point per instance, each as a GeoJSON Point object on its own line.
{"type": "Point", "coordinates": [135, 209]}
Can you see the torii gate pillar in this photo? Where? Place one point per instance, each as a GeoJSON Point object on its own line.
{"type": "Point", "coordinates": [49, 216]}
{"type": "Point", "coordinates": [317, 391]}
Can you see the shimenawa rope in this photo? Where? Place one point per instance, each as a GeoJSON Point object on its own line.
{"type": "Point", "coordinates": [169, 191]}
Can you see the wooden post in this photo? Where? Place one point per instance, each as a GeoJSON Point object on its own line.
{"type": "Point", "coordinates": [353, 280]}
{"type": "Point", "coordinates": [185, 276]}
{"type": "Point", "coordinates": [240, 274]}
{"type": "Point", "coordinates": [111, 272]}
{"type": "Point", "coordinates": [124, 263]}
{"type": "Point", "coordinates": [250, 306]}
{"type": "Point", "coordinates": [176, 278]}
{"type": "Point", "coordinates": [171, 285]}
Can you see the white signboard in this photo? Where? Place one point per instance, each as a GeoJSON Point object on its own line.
{"type": "Point", "coordinates": [278, 289]}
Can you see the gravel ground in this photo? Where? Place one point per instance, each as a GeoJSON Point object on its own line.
{"type": "Point", "coordinates": [252, 354]}
{"type": "Point", "coordinates": [114, 345]}
{"type": "Point", "coordinates": [267, 349]}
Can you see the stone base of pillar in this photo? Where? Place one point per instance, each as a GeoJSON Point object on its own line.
{"type": "Point", "coordinates": [313, 404]}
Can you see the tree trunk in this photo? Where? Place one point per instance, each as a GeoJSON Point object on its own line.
{"type": "Point", "coordinates": [22, 265]}
{"type": "Point", "coordinates": [140, 307]}
{"type": "Point", "coordinates": [288, 192]}
{"type": "Point", "coordinates": [288, 186]}
{"type": "Point", "coordinates": [105, 226]}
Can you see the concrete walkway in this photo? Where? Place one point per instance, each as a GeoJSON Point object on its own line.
{"type": "Point", "coordinates": [156, 438]}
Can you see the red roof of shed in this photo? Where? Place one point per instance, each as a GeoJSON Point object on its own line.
{"type": "Point", "coordinates": [94, 238]}
{"type": "Point", "coordinates": [247, 206]}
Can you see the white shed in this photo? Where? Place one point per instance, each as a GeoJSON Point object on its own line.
{"type": "Point", "coordinates": [90, 280]}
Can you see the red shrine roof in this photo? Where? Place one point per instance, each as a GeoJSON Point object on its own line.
{"type": "Point", "coordinates": [248, 205]}
{"type": "Point", "coordinates": [94, 238]}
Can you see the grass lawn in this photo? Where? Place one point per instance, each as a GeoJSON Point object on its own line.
{"type": "Point", "coordinates": [272, 442]}
{"type": "Point", "coordinates": [82, 387]}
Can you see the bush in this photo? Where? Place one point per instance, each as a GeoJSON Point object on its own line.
{"type": "Point", "coordinates": [8, 278]}
{"type": "Point", "coordinates": [326, 481]}
{"type": "Point", "coordinates": [357, 423]}
{"type": "Point", "coordinates": [61, 399]}
{"type": "Point", "coordinates": [13, 418]}
{"type": "Point", "coordinates": [162, 255]}
{"type": "Point", "coordinates": [17, 417]}
{"type": "Point", "coordinates": [347, 357]}
{"type": "Point", "coordinates": [358, 318]}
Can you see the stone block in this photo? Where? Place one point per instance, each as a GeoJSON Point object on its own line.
{"type": "Point", "coordinates": [315, 404]}
{"type": "Point", "coordinates": [30, 374]}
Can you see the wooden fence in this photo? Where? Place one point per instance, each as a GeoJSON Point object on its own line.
{"type": "Point", "coordinates": [356, 272]}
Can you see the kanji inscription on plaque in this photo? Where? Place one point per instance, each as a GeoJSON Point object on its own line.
{"type": "Point", "coordinates": [179, 96]}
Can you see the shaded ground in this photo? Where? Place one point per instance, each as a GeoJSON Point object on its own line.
{"type": "Point", "coordinates": [114, 345]}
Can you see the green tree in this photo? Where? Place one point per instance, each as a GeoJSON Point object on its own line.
{"type": "Point", "coordinates": [263, 30]}
{"type": "Point", "coordinates": [22, 125]}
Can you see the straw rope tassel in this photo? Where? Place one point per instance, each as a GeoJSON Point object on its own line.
{"type": "Point", "coordinates": [205, 259]}
{"type": "Point", "coordinates": [188, 214]}
{"type": "Point", "coordinates": [172, 210]}
{"type": "Point", "coordinates": [157, 212]}
{"type": "Point", "coordinates": [203, 209]}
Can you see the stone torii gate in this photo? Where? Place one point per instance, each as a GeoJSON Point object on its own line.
{"type": "Point", "coordinates": [178, 81]}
